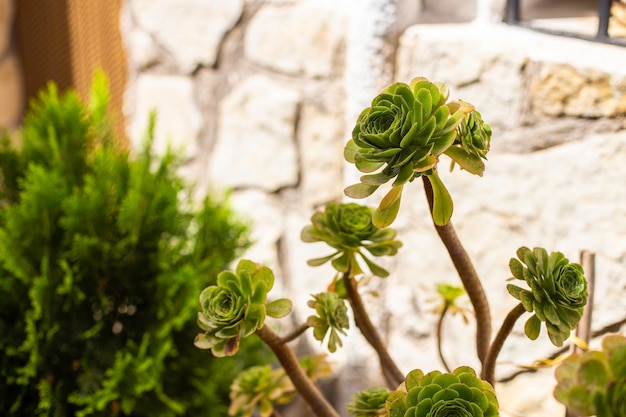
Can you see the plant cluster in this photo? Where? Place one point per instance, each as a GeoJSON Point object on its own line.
{"type": "Point", "coordinates": [102, 256]}
{"type": "Point", "coordinates": [401, 137]}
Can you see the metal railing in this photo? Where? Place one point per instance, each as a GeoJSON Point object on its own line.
{"type": "Point", "coordinates": [513, 17]}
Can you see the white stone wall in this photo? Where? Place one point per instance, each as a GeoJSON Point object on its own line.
{"type": "Point", "coordinates": [11, 88]}
{"type": "Point", "coordinates": [259, 97]}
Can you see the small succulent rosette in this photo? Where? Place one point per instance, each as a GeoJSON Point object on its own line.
{"type": "Point", "coordinates": [557, 292]}
{"type": "Point", "coordinates": [348, 229]}
{"type": "Point", "coordinates": [236, 307]}
{"type": "Point", "coordinates": [331, 318]}
{"type": "Point", "coordinates": [401, 136]}
{"type": "Point", "coordinates": [259, 388]}
{"type": "Point", "coordinates": [369, 403]}
{"type": "Point", "coordinates": [457, 394]}
{"type": "Point", "coordinates": [594, 383]}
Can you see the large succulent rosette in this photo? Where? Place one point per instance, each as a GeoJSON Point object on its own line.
{"type": "Point", "coordinates": [557, 292]}
{"type": "Point", "coordinates": [348, 229]}
{"type": "Point", "coordinates": [594, 382]}
{"type": "Point", "coordinates": [457, 394]}
{"type": "Point", "coordinates": [236, 307]}
{"type": "Point", "coordinates": [400, 137]}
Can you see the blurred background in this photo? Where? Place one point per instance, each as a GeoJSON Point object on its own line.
{"type": "Point", "coordinates": [259, 98]}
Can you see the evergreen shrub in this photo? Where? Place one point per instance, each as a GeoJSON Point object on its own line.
{"type": "Point", "coordinates": [102, 257]}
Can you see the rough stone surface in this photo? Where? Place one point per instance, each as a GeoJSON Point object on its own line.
{"type": "Point", "coordinates": [321, 150]}
{"type": "Point", "coordinates": [191, 30]}
{"type": "Point", "coordinates": [560, 89]}
{"type": "Point", "coordinates": [270, 39]}
{"type": "Point", "coordinates": [256, 137]}
{"type": "Point", "coordinates": [11, 91]}
{"type": "Point", "coordinates": [477, 71]}
{"type": "Point", "coordinates": [143, 51]}
{"type": "Point", "coordinates": [178, 121]}
{"type": "Point", "coordinates": [264, 214]}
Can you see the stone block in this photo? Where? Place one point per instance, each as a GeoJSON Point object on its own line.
{"type": "Point", "coordinates": [321, 150]}
{"type": "Point", "coordinates": [298, 39]}
{"type": "Point", "coordinates": [190, 30]}
{"type": "Point", "coordinates": [256, 137]}
{"type": "Point", "coordinates": [562, 89]}
{"type": "Point", "coordinates": [178, 120]}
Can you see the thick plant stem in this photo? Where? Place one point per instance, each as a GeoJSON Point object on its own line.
{"type": "Point", "coordinates": [489, 366]}
{"type": "Point", "coordinates": [469, 278]}
{"type": "Point", "coordinates": [392, 373]}
{"type": "Point", "coordinates": [305, 387]}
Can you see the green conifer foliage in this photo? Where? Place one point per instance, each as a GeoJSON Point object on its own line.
{"type": "Point", "coordinates": [102, 257]}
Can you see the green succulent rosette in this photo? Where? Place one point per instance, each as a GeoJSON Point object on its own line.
{"type": "Point", "coordinates": [331, 318]}
{"type": "Point", "coordinates": [594, 383]}
{"type": "Point", "coordinates": [457, 394]}
{"type": "Point", "coordinates": [472, 143]}
{"type": "Point", "coordinates": [236, 307]}
{"type": "Point", "coordinates": [369, 403]}
{"type": "Point", "coordinates": [400, 137]}
{"type": "Point", "coordinates": [259, 388]}
{"type": "Point", "coordinates": [557, 292]}
{"type": "Point", "coordinates": [348, 229]}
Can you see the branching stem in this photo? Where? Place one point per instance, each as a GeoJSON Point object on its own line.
{"type": "Point", "coordinates": [305, 387]}
{"type": "Point", "coordinates": [295, 333]}
{"type": "Point", "coordinates": [392, 373]}
{"type": "Point", "coordinates": [469, 278]}
{"type": "Point", "coordinates": [440, 337]}
{"type": "Point", "coordinates": [489, 365]}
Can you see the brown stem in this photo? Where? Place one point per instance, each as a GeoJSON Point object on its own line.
{"type": "Point", "coordinates": [469, 278]}
{"type": "Point", "coordinates": [439, 337]}
{"type": "Point", "coordinates": [392, 373]}
{"type": "Point", "coordinates": [489, 366]}
{"type": "Point", "coordinates": [305, 387]}
{"type": "Point", "coordinates": [295, 333]}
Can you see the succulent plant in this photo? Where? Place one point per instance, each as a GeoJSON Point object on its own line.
{"type": "Point", "coordinates": [331, 318]}
{"type": "Point", "coordinates": [472, 143]}
{"type": "Point", "coordinates": [457, 394]}
{"type": "Point", "coordinates": [401, 135]}
{"type": "Point", "coordinates": [348, 229]}
{"type": "Point", "coordinates": [236, 307]}
{"type": "Point", "coordinates": [369, 403]}
{"type": "Point", "coordinates": [594, 382]}
{"type": "Point", "coordinates": [557, 294]}
{"type": "Point", "coordinates": [259, 388]}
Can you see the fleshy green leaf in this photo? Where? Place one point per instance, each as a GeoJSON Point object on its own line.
{"type": "Point", "coordinates": [442, 202]}
{"type": "Point", "coordinates": [278, 308]}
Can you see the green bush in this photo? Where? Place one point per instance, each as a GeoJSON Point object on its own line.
{"type": "Point", "coordinates": [102, 258]}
